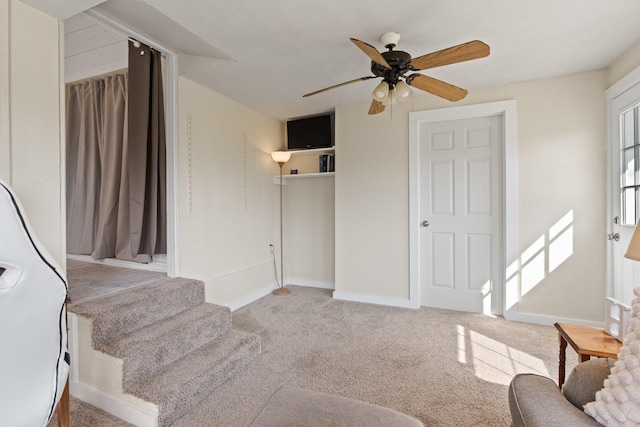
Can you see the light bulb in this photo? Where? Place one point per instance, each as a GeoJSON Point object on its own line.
{"type": "Point", "coordinates": [403, 90]}
{"type": "Point", "coordinates": [381, 92]}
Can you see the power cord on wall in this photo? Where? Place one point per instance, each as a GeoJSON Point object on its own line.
{"type": "Point", "coordinates": [275, 269]}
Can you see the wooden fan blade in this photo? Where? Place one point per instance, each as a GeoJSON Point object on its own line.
{"type": "Point", "coordinates": [460, 53]}
{"type": "Point", "coordinates": [376, 107]}
{"type": "Point", "coordinates": [339, 85]}
{"type": "Point", "coordinates": [371, 52]}
{"type": "Point", "coordinates": [436, 87]}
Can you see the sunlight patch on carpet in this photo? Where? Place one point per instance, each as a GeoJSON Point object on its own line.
{"type": "Point", "coordinates": [494, 361]}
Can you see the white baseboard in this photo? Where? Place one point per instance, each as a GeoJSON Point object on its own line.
{"type": "Point", "coordinates": [122, 409]}
{"type": "Point", "coordinates": [373, 299]}
{"type": "Point", "coordinates": [241, 287]}
{"type": "Point", "coordinates": [266, 290]}
{"type": "Point", "coordinates": [248, 299]}
{"type": "Point", "coordinates": [152, 266]}
{"type": "Point", "coordinates": [72, 345]}
{"type": "Point", "coordinates": [541, 319]}
{"type": "Point", "coordinates": [311, 283]}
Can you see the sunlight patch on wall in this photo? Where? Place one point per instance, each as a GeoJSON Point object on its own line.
{"type": "Point", "coordinates": [532, 266]}
{"type": "Point", "coordinates": [541, 258]}
{"type": "Point", "coordinates": [561, 241]}
{"type": "Point", "coordinates": [512, 278]}
{"type": "Point", "coordinates": [486, 299]}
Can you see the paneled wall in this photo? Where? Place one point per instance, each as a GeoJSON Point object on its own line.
{"type": "Point", "coordinates": [90, 49]}
{"type": "Point", "coordinates": [31, 153]}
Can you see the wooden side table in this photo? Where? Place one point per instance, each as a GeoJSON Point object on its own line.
{"type": "Point", "coordinates": [587, 342]}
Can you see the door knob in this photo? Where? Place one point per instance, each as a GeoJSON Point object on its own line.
{"type": "Point", "coordinates": [425, 223]}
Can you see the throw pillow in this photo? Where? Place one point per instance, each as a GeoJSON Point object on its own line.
{"type": "Point", "coordinates": [585, 380]}
{"type": "Point", "coordinates": [618, 403]}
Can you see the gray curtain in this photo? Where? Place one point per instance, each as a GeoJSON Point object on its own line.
{"type": "Point", "coordinates": [147, 162]}
{"type": "Point", "coordinates": [116, 173]}
{"type": "Point", "coordinates": [96, 112]}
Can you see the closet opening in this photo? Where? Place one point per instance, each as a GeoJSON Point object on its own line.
{"type": "Point", "coordinates": [119, 121]}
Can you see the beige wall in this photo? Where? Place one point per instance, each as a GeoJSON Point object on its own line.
{"type": "Point", "coordinates": [31, 153]}
{"type": "Point", "coordinates": [561, 169]}
{"type": "Point", "coordinates": [226, 193]}
{"type": "Point", "coordinates": [309, 231]}
{"type": "Point", "coordinates": [309, 228]}
{"type": "Point", "coordinates": [372, 204]}
{"type": "Point", "coordinates": [622, 66]}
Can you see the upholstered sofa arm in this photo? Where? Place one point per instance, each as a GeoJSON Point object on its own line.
{"type": "Point", "coordinates": [536, 401]}
{"type": "Point", "coordinates": [585, 380]}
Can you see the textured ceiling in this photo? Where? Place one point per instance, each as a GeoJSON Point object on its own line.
{"type": "Point", "coordinates": [278, 50]}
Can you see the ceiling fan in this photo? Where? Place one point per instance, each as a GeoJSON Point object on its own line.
{"type": "Point", "coordinates": [393, 65]}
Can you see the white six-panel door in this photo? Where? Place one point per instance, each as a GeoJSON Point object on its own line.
{"type": "Point", "coordinates": [460, 212]}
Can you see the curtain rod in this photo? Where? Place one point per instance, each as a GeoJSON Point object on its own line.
{"type": "Point", "coordinates": [98, 77]}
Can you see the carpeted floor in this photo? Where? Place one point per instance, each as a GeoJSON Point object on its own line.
{"type": "Point", "coordinates": [85, 415]}
{"type": "Point", "coordinates": [88, 281]}
{"type": "Point", "coordinates": [446, 368]}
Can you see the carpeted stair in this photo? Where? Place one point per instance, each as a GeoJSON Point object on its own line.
{"type": "Point", "coordinates": [176, 349]}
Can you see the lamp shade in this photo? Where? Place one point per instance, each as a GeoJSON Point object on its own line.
{"type": "Point", "coordinates": [392, 99]}
{"type": "Point", "coordinates": [403, 90]}
{"type": "Point", "coordinates": [381, 92]}
{"type": "Point", "coordinates": [281, 156]}
{"type": "Point", "coordinates": [633, 251]}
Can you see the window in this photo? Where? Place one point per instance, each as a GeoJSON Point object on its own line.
{"type": "Point", "coordinates": [630, 163]}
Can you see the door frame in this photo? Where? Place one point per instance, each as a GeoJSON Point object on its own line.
{"type": "Point", "coordinates": [171, 122]}
{"type": "Point", "coordinates": [619, 88]}
{"type": "Point", "coordinates": [507, 296]}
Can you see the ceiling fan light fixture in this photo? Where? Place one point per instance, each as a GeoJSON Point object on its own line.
{"type": "Point", "coordinates": [390, 39]}
{"type": "Point", "coordinates": [381, 92]}
{"type": "Point", "coordinates": [403, 90]}
{"type": "Point", "coordinates": [392, 99]}
{"type": "Point", "coordinates": [392, 67]}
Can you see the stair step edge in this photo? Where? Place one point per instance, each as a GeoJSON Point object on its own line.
{"type": "Point", "coordinates": [135, 296]}
{"type": "Point", "coordinates": [183, 384]}
{"type": "Point", "coordinates": [144, 355]}
{"type": "Point", "coordinates": [134, 315]}
{"type": "Point", "coordinates": [158, 332]}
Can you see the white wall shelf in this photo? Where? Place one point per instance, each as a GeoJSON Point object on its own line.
{"type": "Point", "coordinates": [311, 151]}
{"type": "Point", "coordinates": [276, 179]}
{"type": "Point", "coordinates": [306, 162]}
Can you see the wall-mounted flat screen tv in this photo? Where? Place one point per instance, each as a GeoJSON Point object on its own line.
{"type": "Point", "coordinates": [310, 132]}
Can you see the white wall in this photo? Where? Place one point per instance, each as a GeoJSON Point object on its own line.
{"type": "Point", "coordinates": [561, 169]}
{"type": "Point", "coordinates": [309, 231]}
{"type": "Point", "coordinates": [31, 152]}
{"type": "Point", "coordinates": [309, 224]}
{"type": "Point", "coordinates": [372, 203]}
{"type": "Point", "coordinates": [226, 194]}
